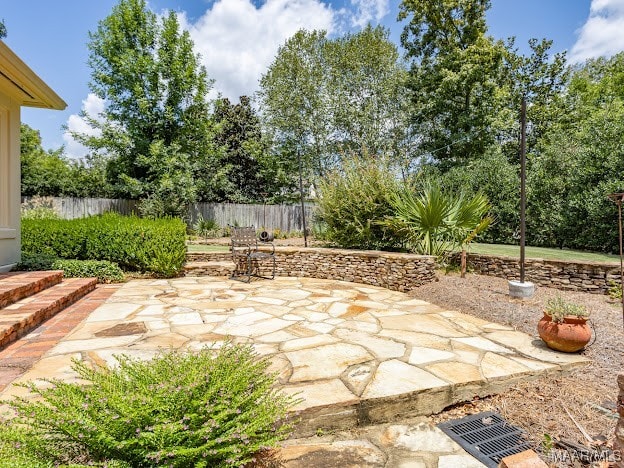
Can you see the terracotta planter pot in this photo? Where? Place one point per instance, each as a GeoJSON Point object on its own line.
{"type": "Point", "coordinates": [569, 336]}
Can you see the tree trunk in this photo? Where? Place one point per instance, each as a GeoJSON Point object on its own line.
{"type": "Point", "coordinates": [463, 263]}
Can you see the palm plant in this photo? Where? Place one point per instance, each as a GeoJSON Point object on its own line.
{"type": "Point", "coordinates": [435, 222]}
{"type": "Point", "coordinates": [471, 218]}
{"type": "Point", "coordinates": [422, 219]}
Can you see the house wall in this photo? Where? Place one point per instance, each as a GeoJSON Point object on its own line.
{"type": "Point", "coordinates": [9, 181]}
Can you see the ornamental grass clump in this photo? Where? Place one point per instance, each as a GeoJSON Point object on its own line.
{"type": "Point", "coordinates": [212, 408]}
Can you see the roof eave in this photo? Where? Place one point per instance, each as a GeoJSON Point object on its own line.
{"type": "Point", "coordinates": [31, 90]}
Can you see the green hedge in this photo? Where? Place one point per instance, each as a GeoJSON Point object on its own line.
{"type": "Point", "coordinates": [135, 244]}
{"type": "Point", "coordinates": [103, 270]}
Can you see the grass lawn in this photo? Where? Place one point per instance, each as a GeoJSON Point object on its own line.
{"type": "Point", "coordinates": [491, 249]}
{"type": "Point", "coordinates": [542, 252]}
{"type": "Point", "coordinates": [207, 248]}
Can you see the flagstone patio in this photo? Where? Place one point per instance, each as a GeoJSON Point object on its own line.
{"type": "Point", "coordinates": [355, 354]}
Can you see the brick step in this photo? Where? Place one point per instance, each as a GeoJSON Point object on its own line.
{"type": "Point", "coordinates": [201, 268]}
{"type": "Point", "coordinates": [19, 318]}
{"type": "Point", "coordinates": [19, 285]}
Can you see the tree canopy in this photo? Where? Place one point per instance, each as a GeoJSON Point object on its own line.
{"type": "Point", "coordinates": [327, 98]}
{"type": "Point", "coordinates": [454, 78]}
{"type": "Point", "coordinates": [466, 87]}
{"type": "Point", "coordinates": [155, 129]}
{"type": "Point", "coordinates": [447, 112]}
{"type": "Point", "coordinates": [50, 173]}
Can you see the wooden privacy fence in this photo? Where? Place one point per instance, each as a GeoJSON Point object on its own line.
{"type": "Point", "coordinates": [284, 217]}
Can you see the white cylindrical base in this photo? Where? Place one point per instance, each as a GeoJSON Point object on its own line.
{"type": "Point", "coordinates": [521, 290]}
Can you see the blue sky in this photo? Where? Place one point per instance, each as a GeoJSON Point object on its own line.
{"type": "Point", "coordinates": [239, 38]}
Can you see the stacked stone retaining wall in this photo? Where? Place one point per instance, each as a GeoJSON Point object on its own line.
{"type": "Point", "coordinates": [592, 277]}
{"type": "Point", "coordinates": [396, 271]}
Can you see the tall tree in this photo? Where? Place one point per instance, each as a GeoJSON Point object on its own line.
{"type": "Point", "coordinates": [541, 78]}
{"type": "Point", "coordinates": [330, 97]}
{"type": "Point", "coordinates": [293, 100]}
{"type": "Point", "coordinates": [454, 77]}
{"type": "Point", "coordinates": [156, 107]}
{"type": "Point", "coordinates": [240, 135]}
{"type": "Point", "coordinates": [366, 82]}
{"type": "Point", "coordinates": [50, 173]}
{"type": "Point", "coordinates": [3, 30]}
{"type": "Point", "coordinates": [43, 173]}
{"type": "Point", "coordinates": [581, 160]}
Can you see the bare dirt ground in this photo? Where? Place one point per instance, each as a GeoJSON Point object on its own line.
{"type": "Point", "coordinates": [564, 408]}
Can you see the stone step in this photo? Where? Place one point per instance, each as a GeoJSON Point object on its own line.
{"type": "Point", "coordinates": [202, 268]}
{"type": "Point", "coordinates": [19, 285]}
{"type": "Point", "coordinates": [22, 316]}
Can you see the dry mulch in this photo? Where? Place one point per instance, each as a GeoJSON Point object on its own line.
{"type": "Point", "coordinates": [539, 406]}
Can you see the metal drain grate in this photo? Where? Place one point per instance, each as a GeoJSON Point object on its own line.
{"type": "Point", "coordinates": [487, 437]}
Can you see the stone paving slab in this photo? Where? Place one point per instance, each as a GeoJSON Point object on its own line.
{"type": "Point", "coordinates": [418, 444]}
{"type": "Point", "coordinates": [356, 354]}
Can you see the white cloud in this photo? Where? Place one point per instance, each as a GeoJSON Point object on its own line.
{"type": "Point", "coordinates": [93, 106]}
{"type": "Point", "coordinates": [368, 11]}
{"type": "Point", "coordinates": [601, 35]}
{"type": "Point", "coordinates": [238, 41]}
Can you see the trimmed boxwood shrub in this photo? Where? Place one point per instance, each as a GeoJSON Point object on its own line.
{"type": "Point", "coordinates": [135, 244]}
{"type": "Point", "coordinates": [103, 270]}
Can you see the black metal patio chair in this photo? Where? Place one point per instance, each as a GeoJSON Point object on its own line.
{"type": "Point", "coordinates": [248, 256]}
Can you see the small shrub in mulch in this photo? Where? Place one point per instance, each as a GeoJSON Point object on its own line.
{"type": "Point", "coordinates": [103, 270]}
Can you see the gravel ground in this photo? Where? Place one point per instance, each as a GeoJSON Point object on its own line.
{"type": "Point", "coordinates": [562, 407]}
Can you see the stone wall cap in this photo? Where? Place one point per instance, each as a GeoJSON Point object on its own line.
{"type": "Point", "coordinates": [356, 253]}
{"type": "Point", "coordinates": [323, 251]}
{"type": "Point", "coordinates": [548, 261]}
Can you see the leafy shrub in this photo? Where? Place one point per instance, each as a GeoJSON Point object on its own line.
{"type": "Point", "coordinates": [279, 234]}
{"type": "Point", "coordinates": [36, 262]}
{"type": "Point", "coordinates": [39, 208]}
{"type": "Point", "coordinates": [353, 203]}
{"type": "Point", "coordinates": [39, 213]}
{"type": "Point", "coordinates": [16, 451]}
{"type": "Point", "coordinates": [135, 244]}
{"type": "Point", "coordinates": [558, 308]}
{"type": "Point", "coordinates": [165, 262]}
{"type": "Point", "coordinates": [54, 237]}
{"type": "Point", "coordinates": [434, 221]}
{"type": "Point", "coordinates": [495, 177]}
{"type": "Point", "coordinates": [615, 290]}
{"type": "Point", "coordinates": [103, 270]}
{"type": "Point", "coordinates": [211, 408]}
